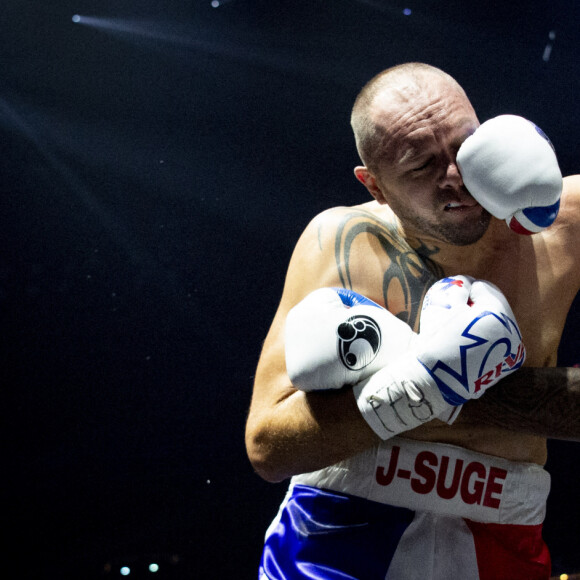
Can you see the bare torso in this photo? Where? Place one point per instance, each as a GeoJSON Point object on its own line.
{"type": "Point", "coordinates": [534, 273]}
{"type": "Point", "coordinates": [364, 248]}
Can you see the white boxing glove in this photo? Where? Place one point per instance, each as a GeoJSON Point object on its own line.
{"type": "Point", "coordinates": [337, 337]}
{"type": "Point", "coordinates": [468, 341]}
{"type": "Point", "coordinates": [509, 166]}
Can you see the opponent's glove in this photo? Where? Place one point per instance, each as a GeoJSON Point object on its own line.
{"type": "Point", "coordinates": [509, 166]}
{"type": "Point", "coordinates": [468, 340]}
{"type": "Point", "coordinates": [337, 337]}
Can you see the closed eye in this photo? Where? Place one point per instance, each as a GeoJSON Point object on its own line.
{"type": "Point", "coordinates": [425, 165]}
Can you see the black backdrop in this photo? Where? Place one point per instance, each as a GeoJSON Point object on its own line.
{"type": "Point", "coordinates": [159, 160]}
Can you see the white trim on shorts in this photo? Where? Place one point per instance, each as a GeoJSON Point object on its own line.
{"type": "Point", "coordinates": [440, 478]}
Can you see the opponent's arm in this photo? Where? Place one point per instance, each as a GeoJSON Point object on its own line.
{"type": "Point", "coordinates": [510, 167]}
{"type": "Point", "coordinates": [540, 401]}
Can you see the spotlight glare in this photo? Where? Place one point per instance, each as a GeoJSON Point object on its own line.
{"type": "Point", "coordinates": [125, 571]}
{"type": "Point", "coordinates": [76, 18]}
{"type": "Point", "coordinates": [215, 3]}
{"type": "Point", "coordinates": [407, 12]}
{"type": "Point", "coordinates": [153, 568]}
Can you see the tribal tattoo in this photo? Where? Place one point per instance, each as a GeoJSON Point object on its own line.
{"type": "Point", "coordinates": [409, 270]}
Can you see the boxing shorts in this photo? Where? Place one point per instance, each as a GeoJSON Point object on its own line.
{"type": "Point", "coordinates": [407, 510]}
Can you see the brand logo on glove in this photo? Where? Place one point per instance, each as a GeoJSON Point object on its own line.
{"type": "Point", "coordinates": [359, 340]}
{"type": "Point", "coordinates": [480, 363]}
{"type": "Point", "coordinates": [510, 363]}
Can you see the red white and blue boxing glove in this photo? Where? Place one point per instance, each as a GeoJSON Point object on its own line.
{"type": "Point", "coordinates": [510, 167]}
{"type": "Point", "coordinates": [469, 339]}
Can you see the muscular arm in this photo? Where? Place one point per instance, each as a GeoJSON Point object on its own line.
{"type": "Point", "coordinates": [289, 431]}
{"type": "Point", "coordinates": [305, 432]}
{"type": "Point", "coordinates": [539, 401]}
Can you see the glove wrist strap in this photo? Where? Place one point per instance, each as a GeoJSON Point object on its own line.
{"type": "Point", "coordinates": [398, 398]}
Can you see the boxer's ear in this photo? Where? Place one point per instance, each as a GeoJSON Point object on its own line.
{"type": "Point", "coordinates": [370, 182]}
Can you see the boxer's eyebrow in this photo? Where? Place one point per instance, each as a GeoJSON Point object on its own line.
{"type": "Point", "coordinates": [416, 147]}
{"type": "Point", "coordinates": [409, 154]}
{"type": "Point", "coordinates": [412, 153]}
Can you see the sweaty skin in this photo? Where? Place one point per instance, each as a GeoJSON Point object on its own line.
{"type": "Point", "coordinates": [421, 226]}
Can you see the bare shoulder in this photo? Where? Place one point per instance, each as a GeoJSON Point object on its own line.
{"type": "Point", "coordinates": [334, 247]}
{"type": "Point", "coordinates": [348, 221]}
{"type": "Point", "coordinates": [361, 248]}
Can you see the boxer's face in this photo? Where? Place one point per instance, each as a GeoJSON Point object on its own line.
{"type": "Point", "coordinates": [417, 173]}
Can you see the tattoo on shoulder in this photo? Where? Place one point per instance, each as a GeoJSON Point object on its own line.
{"type": "Point", "coordinates": [409, 271]}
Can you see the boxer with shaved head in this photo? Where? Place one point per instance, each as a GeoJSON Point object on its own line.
{"type": "Point", "coordinates": [407, 384]}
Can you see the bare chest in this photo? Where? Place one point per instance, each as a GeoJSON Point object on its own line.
{"type": "Point", "coordinates": [535, 273]}
{"type": "Point", "coordinates": [540, 297]}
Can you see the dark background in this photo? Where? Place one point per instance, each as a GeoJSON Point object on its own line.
{"type": "Point", "coordinates": [159, 161]}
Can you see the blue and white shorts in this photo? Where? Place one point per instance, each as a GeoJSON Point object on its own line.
{"type": "Point", "coordinates": [408, 510]}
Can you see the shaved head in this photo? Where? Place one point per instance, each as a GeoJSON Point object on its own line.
{"type": "Point", "coordinates": [393, 87]}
